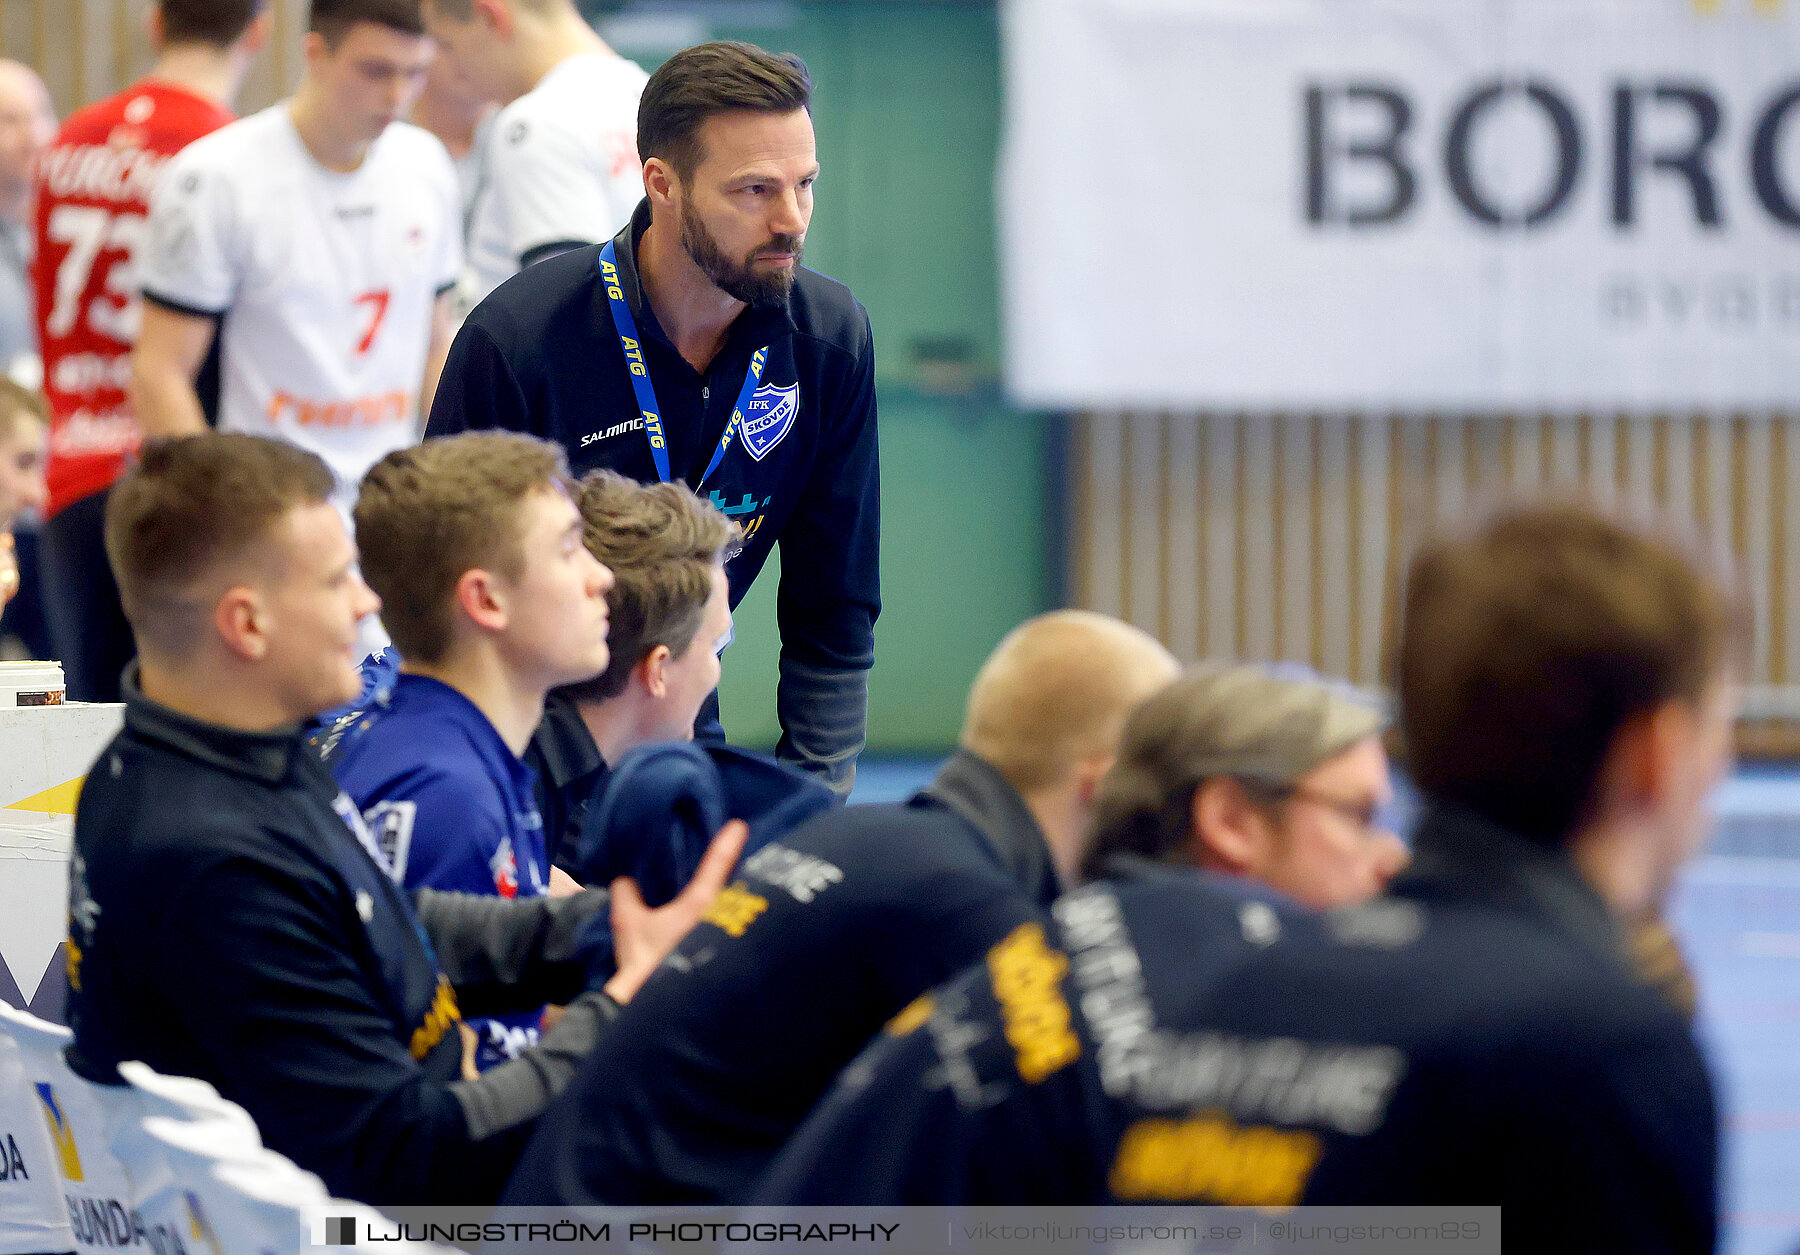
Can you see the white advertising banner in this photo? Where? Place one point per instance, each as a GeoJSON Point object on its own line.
{"type": "Point", "coordinates": [1564, 205]}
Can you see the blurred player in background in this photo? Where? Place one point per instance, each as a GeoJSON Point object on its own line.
{"type": "Point", "coordinates": [452, 108]}
{"type": "Point", "coordinates": [319, 241]}
{"type": "Point", "coordinates": [561, 166]}
{"type": "Point", "coordinates": [22, 438]}
{"type": "Point", "coordinates": [27, 123]}
{"type": "Point", "coordinates": [93, 197]}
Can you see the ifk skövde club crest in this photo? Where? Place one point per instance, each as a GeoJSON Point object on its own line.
{"type": "Point", "coordinates": [769, 417]}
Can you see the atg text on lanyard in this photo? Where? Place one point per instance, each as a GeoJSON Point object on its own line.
{"type": "Point", "coordinates": [626, 326]}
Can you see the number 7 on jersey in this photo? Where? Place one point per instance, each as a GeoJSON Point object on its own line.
{"type": "Point", "coordinates": [378, 304]}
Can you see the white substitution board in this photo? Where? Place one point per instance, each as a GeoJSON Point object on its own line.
{"type": "Point", "coordinates": [1403, 204]}
{"type": "Point", "coordinates": [45, 753]}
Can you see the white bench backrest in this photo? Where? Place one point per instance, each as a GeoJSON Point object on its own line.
{"type": "Point", "coordinates": [33, 1216]}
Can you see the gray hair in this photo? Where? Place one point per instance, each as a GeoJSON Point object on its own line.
{"type": "Point", "coordinates": [1264, 726]}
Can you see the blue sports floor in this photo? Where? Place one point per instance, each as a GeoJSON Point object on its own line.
{"type": "Point", "coordinates": [1737, 911]}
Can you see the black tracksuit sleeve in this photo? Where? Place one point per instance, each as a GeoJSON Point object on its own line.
{"type": "Point", "coordinates": [831, 546]}
{"type": "Point", "coordinates": [478, 389]}
{"type": "Point", "coordinates": [830, 589]}
{"type": "Point", "coordinates": [514, 954]}
{"type": "Point", "coordinates": [296, 1034]}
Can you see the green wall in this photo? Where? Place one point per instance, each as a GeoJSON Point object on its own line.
{"type": "Point", "coordinates": [907, 110]}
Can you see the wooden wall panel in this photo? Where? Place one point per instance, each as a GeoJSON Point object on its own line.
{"type": "Point", "coordinates": [1284, 536]}
{"type": "Point", "coordinates": [86, 49]}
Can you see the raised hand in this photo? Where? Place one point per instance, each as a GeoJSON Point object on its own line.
{"type": "Point", "coordinates": [642, 937]}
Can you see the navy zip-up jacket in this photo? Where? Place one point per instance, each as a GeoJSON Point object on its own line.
{"type": "Point", "coordinates": [230, 919]}
{"type": "Point", "coordinates": [542, 355]}
{"type": "Point", "coordinates": [452, 807]}
{"type": "Point", "coordinates": [823, 936]}
{"type": "Point", "coordinates": [1477, 1037]}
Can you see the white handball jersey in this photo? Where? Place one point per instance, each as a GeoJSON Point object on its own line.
{"type": "Point", "coordinates": [562, 166]}
{"type": "Point", "coordinates": [325, 281]}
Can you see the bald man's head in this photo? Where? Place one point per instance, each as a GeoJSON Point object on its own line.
{"type": "Point", "coordinates": [1054, 695]}
{"type": "Point", "coordinates": [27, 124]}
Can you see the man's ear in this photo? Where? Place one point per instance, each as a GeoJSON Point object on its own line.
{"type": "Point", "coordinates": [1089, 775]}
{"type": "Point", "coordinates": [661, 184]}
{"type": "Point", "coordinates": [256, 35]}
{"type": "Point", "coordinates": [313, 48]}
{"type": "Point", "coordinates": [1230, 832]}
{"type": "Point", "coordinates": [242, 622]}
{"type": "Point", "coordinates": [652, 672]}
{"type": "Point", "coordinates": [481, 599]}
{"type": "Point", "coordinates": [1644, 760]}
{"type": "Point", "coordinates": [496, 16]}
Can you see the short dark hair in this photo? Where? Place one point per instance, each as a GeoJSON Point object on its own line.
{"type": "Point", "coordinates": [219, 23]}
{"type": "Point", "coordinates": [190, 505]}
{"type": "Point", "coordinates": [429, 513]}
{"type": "Point", "coordinates": [724, 76]}
{"type": "Point", "coordinates": [662, 543]}
{"type": "Point", "coordinates": [333, 19]}
{"type": "Point", "coordinates": [1527, 644]}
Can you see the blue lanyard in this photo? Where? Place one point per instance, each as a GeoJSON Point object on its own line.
{"type": "Point", "coordinates": [626, 326]}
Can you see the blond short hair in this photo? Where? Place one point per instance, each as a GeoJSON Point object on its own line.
{"type": "Point", "coordinates": [662, 543]}
{"type": "Point", "coordinates": [428, 515]}
{"type": "Point", "coordinates": [19, 402]}
{"type": "Point", "coordinates": [1055, 693]}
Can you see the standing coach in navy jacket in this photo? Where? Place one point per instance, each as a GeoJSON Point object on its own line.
{"type": "Point", "coordinates": [694, 346]}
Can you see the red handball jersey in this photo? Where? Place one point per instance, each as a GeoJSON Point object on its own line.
{"type": "Point", "coordinates": [93, 196]}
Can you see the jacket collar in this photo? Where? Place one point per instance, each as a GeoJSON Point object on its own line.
{"type": "Point", "coordinates": [1124, 868]}
{"type": "Point", "coordinates": [565, 746]}
{"type": "Point", "coordinates": [981, 796]}
{"type": "Point", "coordinates": [262, 756]}
{"type": "Point", "coordinates": [1461, 856]}
{"type": "Point", "coordinates": [760, 326]}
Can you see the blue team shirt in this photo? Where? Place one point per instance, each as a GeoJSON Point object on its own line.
{"type": "Point", "coordinates": [449, 805]}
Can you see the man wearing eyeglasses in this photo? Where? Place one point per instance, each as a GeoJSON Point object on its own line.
{"type": "Point", "coordinates": [1267, 774]}
{"type": "Point", "coordinates": [1480, 1035]}
{"type": "Point", "coordinates": [831, 931]}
